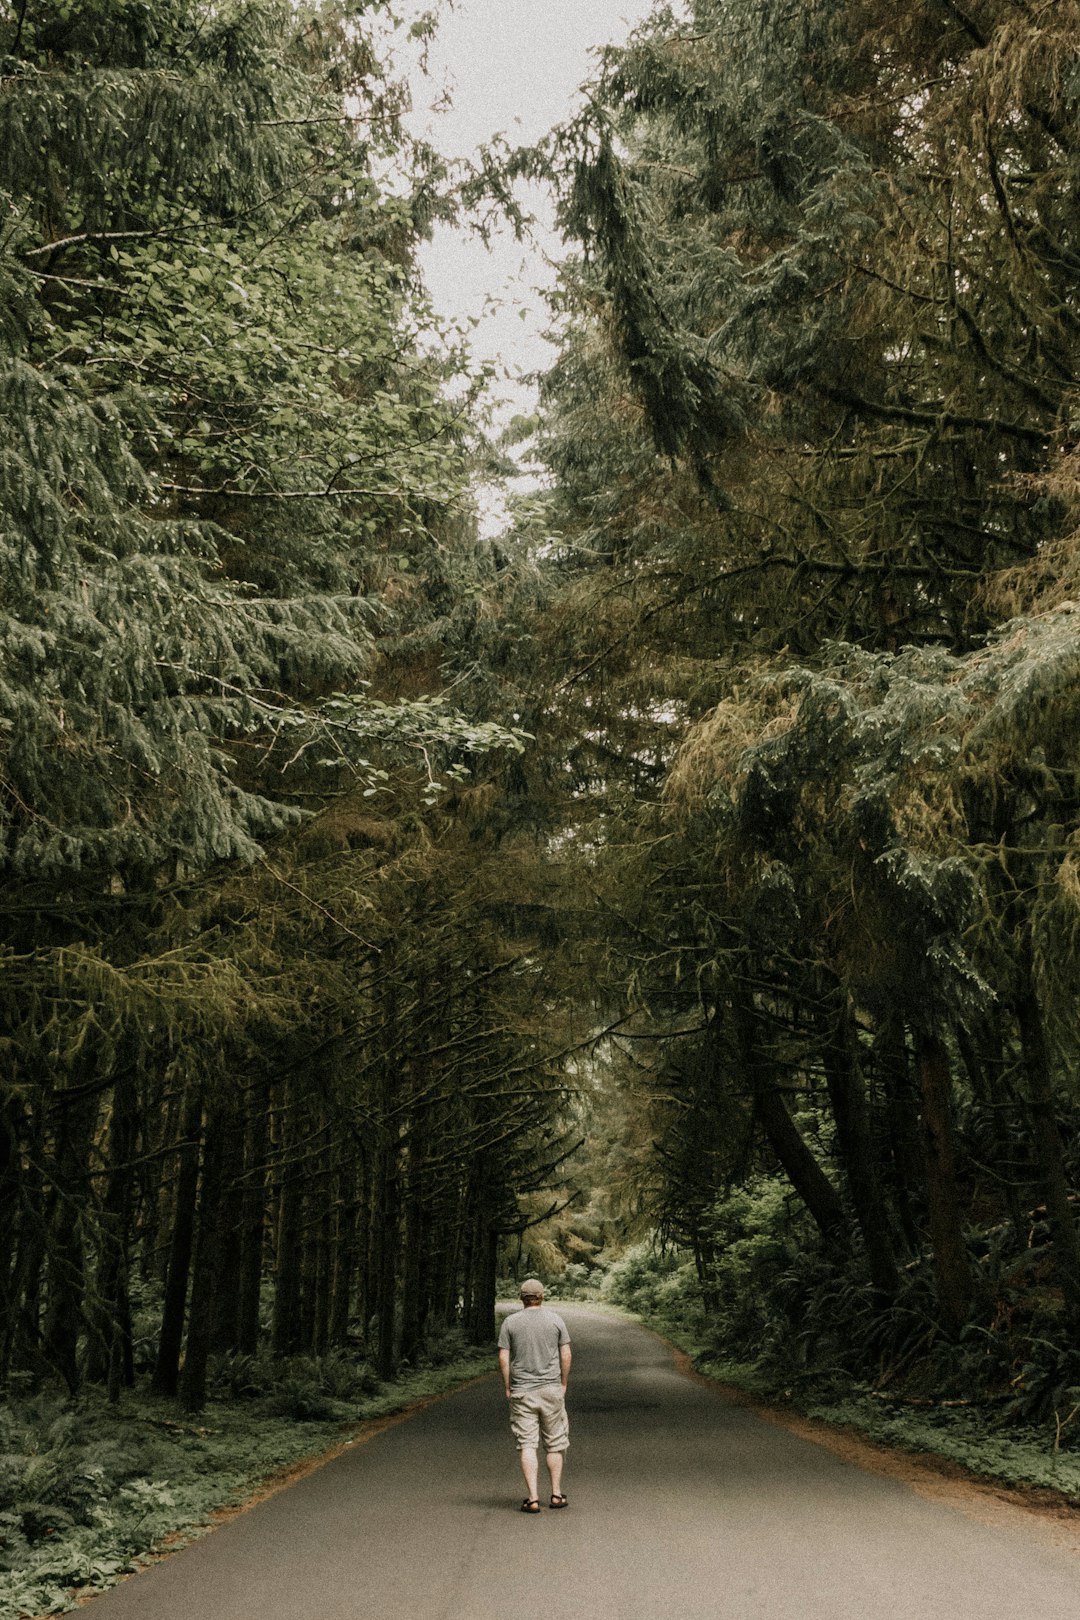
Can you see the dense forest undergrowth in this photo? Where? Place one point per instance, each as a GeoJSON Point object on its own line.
{"type": "Point", "coordinates": [387, 908]}
{"type": "Point", "coordinates": [93, 1491]}
{"type": "Point", "coordinates": [1013, 1428]}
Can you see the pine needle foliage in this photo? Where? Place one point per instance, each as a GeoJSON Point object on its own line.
{"type": "Point", "coordinates": [215, 418]}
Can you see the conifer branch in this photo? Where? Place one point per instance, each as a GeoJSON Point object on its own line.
{"type": "Point", "coordinates": [317, 905]}
{"type": "Point", "coordinates": [937, 419]}
{"type": "Point", "coordinates": [329, 493]}
{"type": "Point", "coordinates": [167, 233]}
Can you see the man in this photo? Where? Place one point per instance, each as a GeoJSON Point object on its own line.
{"type": "Point", "coordinates": [534, 1355]}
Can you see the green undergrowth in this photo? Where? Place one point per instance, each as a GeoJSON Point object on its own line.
{"type": "Point", "coordinates": [1008, 1411]}
{"type": "Point", "coordinates": [963, 1435]}
{"type": "Point", "coordinates": [88, 1491]}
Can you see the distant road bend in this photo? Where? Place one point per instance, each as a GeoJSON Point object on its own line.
{"type": "Point", "coordinates": [683, 1506]}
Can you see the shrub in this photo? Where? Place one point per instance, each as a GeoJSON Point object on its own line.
{"type": "Point", "coordinates": [446, 1344]}
{"type": "Point", "coordinates": [302, 1399]}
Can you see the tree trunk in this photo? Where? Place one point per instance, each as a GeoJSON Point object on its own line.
{"type": "Point", "coordinates": [309, 1265]}
{"type": "Point", "coordinates": [289, 1256]}
{"type": "Point", "coordinates": [412, 1299]}
{"type": "Point", "coordinates": [323, 1273]}
{"type": "Point", "coordinates": [451, 1298]}
{"type": "Point", "coordinates": [209, 1248]}
{"type": "Point", "coordinates": [10, 1156]}
{"type": "Point", "coordinates": [386, 1274]}
{"type": "Point", "coordinates": [21, 1346]}
{"type": "Point", "coordinates": [906, 1165]}
{"type": "Point", "coordinates": [253, 1216]}
{"type": "Point", "coordinates": [983, 1066]}
{"type": "Point", "coordinates": [955, 1285]}
{"type": "Point", "coordinates": [109, 1353]}
{"type": "Point", "coordinates": [167, 1367]}
{"type": "Point", "coordinates": [469, 1238]}
{"type": "Point", "coordinates": [225, 1309]}
{"type": "Point", "coordinates": [483, 1327]}
{"type": "Point", "coordinates": [847, 1096]}
{"type": "Point", "coordinates": [704, 1264]}
{"type": "Point", "coordinates": [1049, 1155]}
{"type": "Point", "coordinates": [65, 1260]}
{"type": "Point", "coordinates": [345, 1249]}
{"type": "Point", "coordinates": [796, 1160]}
{"type": "Point", "coordinates": [161, 1215]}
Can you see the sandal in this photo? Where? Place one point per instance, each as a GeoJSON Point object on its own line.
{"type": "Point", "coordinates": [531, 1504]}
{"type": "Point", "coordinates": [559, 1501]}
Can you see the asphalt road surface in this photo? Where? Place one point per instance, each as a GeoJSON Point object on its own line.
{"type": "Point", "coordinates": [683, 1506]}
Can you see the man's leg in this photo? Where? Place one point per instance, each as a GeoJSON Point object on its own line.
{"type": "Point", "coordinates": [530, 1467]}
{"type": "Point", "coordinates": [555, 1431]}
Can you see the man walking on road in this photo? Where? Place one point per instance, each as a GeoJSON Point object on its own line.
{"type": "Point", "coordinates": [534, 1355]}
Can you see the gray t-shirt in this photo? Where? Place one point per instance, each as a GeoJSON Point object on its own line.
{"type": "Point", "coordinates": [533, 1337]}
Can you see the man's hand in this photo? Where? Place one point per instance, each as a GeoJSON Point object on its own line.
{"type": "Point", "coordinates": [504, 1368]}
{"type": "Point", "coordinates": [564, 1366]}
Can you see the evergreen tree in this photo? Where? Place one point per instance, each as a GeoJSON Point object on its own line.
{"type": "Point", "coordinates": [240, 566]}
{"type": "Point", "coordinates": [815, 389]}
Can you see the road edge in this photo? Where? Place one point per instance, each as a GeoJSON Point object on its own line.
{"type": "Point", "coordinates": [936, 1478]}
{"type": "Point", "coordinates": [280, 1479]}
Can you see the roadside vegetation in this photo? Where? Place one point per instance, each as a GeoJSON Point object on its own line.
{"type": "Point", "coordinates": [1011, 1428]}
{"type": "Point", "coordinates": [88, 1492]}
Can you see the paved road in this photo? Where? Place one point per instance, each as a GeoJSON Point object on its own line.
{"type": "Point", "coordinates": [682, 1507]}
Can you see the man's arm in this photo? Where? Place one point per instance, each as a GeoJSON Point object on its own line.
{"type": "Point", "coordinates": [504, 1367]}
{"type": "Point", "coordinates": [564, 1365]}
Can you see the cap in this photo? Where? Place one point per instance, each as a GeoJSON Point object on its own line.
{"type": "Point", "coordinates": [532, 1288]}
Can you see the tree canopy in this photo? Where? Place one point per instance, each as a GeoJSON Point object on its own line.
{"type": "Point", "coordinates": [384, 906]}
{"type": "Point", "coordinates": [813, 510]}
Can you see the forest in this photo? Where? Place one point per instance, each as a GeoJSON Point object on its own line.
{"type": "Point", "coordinates": [677, 894]}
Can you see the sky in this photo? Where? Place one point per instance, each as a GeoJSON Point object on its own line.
{"type": "Point", "coordinates": [510, 67]}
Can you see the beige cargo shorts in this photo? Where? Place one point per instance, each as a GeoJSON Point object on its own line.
{"type": "Point", "coordinates": [538, 1418]}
